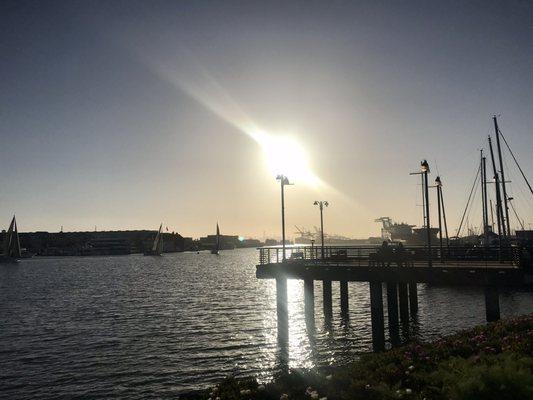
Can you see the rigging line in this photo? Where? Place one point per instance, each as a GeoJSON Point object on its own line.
{"type": "Point", "coordinates": [515, 213]}
{"type": "Point", "coordinates": [516, 161]}
{"type": "Point", "coordinates": [468, 201]}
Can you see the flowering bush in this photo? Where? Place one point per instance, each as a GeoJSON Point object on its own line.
{"type": "Point", "coordinates": [494, 361]}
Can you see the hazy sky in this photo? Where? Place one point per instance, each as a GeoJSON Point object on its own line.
{"type": "Point", "coordinates": [125, 114]}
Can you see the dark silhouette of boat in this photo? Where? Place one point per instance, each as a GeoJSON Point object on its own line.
{"type": "Point", "coordinates": [157, 246]}
{"type": "Point", "coordinates": [216, 247]}
{"type": "Point", "coordinates": [11, 244]}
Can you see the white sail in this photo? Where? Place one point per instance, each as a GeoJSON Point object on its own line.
{"type": "Point", "coordinates": [157, 247]}
{"type": "Point", "coordinates": [218, 238]}
{"type": "Point", "coordinates": [11, 241]}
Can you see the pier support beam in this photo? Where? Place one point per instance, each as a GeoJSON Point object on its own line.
{"type": "Point", "coordinates": [392, 312]}
{"type": "Point", "coordinates": [309, 298]}
{"type": "Point", "coordinates": [404, 302]}
{"type": "Point", "coordinates": [344, 297]}
{"type": "Point", "coordinates": [376, 313]}
{"type": "Point", "coordinates": [326, 292]}
{"type": "Point", "coordinates": [282, 310]}
{"type": "Point", "coordinates": [413, 298]}
{"type": "Point", "coordinates": [492, 303]}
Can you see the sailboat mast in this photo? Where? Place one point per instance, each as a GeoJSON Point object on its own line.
{"type": "Point", "coordinates": [499, 213]}
{"type": "Point", "coordinates": [506, 224]}
{"type": "Point", "coordinates": [484, 198]}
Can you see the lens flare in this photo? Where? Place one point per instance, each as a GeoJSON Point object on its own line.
{"type": "Point", "coordinates": [284, 155]}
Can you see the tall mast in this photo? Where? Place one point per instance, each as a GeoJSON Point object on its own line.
{"type": "Point", "coordinates": [499, 213]}
{"type": "Point", "coordinates": [438, 184]}
{"type": "Point", "coordinates": [486, 228]}
{"type": "Point", "coordinates": [484, 198]}
{"type": "Point", "coordinates": [444, 220]}
{"type": "Point", "coordinates": [491, 216]}
{"type": "Point", "coordinates": [506, 224]}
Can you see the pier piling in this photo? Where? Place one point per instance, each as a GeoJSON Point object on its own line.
{"type": "Point", "coordinates": [413, 298]}
{"type": "Point", "coordinates": [492, 303]}
{"type": "Point", "coordinates": [282, 309]}
{"type": "Point", "coordinates": [344, 297]}
{"type": "Point", "coordinates": [404, 302]}
{"type": "Point", "coordinates": [326, 292]}
{"type": "Point", "coordinates": [309, 298]}
{"type": "Point", "coordinates": [376, 313]}
{"type": "Point", "coordinates": [392, 312]}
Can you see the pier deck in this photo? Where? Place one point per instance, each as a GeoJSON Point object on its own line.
{"type": "Point", "coordinates": [488, 268]}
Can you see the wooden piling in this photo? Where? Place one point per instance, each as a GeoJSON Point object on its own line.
{"type": "Point", "coordinates": [392, 312]}
{"type": "Point", "coordinates": [492, 303]}
{"type": "Point", "coordinates": [344, 297]}
{"type": "Point", "coordinates": [282, 309]}
{"type": "Point", "coordinates": [327, 301]}
{"type": "Point", "coordinates": [309, 298]}
{"type": "Point", "coordinates": [404, 302]}
{"type": "Point", "coordinates": [413, 298]}
{"type": "Point", "coordinates": [376, 313]}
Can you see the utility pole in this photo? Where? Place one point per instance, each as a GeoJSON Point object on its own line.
{"type": "Point", "coordinates": [506, 224]}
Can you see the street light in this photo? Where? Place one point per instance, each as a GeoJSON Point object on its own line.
{"type": "Point", "coordinates": [321, 204]}
{"type": "Point", "coordinates": [424, 171]}
{"type": "Point", "coordinates": [283, 181]}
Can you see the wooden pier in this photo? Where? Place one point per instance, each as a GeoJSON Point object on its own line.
{"type": "Point", "coordinates": [486, 268]}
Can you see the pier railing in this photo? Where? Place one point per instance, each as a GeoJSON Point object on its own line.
{"type": "Point", "coordinates": [366, 255]}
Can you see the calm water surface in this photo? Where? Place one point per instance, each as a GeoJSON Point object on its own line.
{"type": "Point", "coordinates": [146, 327]}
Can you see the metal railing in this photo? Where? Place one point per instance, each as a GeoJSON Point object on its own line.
{"type": "Point", "coordinates": [393, 255]}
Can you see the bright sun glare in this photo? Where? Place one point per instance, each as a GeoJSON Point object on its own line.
{"type": "Point", "coordinates": [285, 156]}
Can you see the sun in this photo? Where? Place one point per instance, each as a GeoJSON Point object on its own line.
{"type": "Point", "coordinates": [284, 155]}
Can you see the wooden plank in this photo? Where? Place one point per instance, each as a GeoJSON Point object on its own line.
{"type": "Point", "coordinates": [440, 275]}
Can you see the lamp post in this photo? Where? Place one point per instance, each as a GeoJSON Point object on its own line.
{"type": "Point", "coordinates": [283, 181]}
{"type": "Point", "coordinates": [424, 168]}
{"type": "Point", "coordinates": [321, 204]}
{"type": "Point", "coordinates": [424, 171]}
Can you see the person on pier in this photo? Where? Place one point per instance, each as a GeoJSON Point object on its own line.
{"type": "Point", "coordinates": [400, 255]}
{"type": "Point", "coordinates": [385, 254]}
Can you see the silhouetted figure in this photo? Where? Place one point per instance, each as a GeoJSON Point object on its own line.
{"type": "Point", "coordinates": [401, 255]}
{"type": "Point", "coordinates": [385, 254]}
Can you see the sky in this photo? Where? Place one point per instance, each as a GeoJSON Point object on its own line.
{"type": "Point", "coordinates": [125, 114]}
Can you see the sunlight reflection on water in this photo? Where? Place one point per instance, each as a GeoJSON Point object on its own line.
{"type": "Point", "coordinates": [139, 327]}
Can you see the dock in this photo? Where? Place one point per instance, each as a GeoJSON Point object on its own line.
{"type": "Point", "coordinates": [489, 268]}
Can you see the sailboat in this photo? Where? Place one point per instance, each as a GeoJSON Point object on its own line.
{"type": "Point", "coordinates": [216, 248]}
{"type": "Point", "coordinates": [11, 244]}
{"type": "Point", "coordinates": [157, 246]}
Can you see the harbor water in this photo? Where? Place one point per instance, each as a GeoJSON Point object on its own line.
{"type": "Point", "coordinates": [155, 327]}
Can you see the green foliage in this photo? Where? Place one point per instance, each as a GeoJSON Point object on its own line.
{"type": "Point", "coordinates": [498, 377]}
{"type": "Point", "coordinates": [494, 361]}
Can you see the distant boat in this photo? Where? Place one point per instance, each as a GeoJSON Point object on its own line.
{"type": "Point", "coordinates": [11, 244]}
{"type": "Point", "coordinates": [216, 248]}
{"type": "Point", "coordinates": [157, 247]}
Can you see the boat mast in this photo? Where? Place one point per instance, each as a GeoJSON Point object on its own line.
{"type": "Point", "coordinates": [484, 198]}
{"type": "Point", "coordinates": [506, 224]}
{"type": "Point", "coordinates": [499, 213]}
{"type": "Point", "coordinates": [444, 220]}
